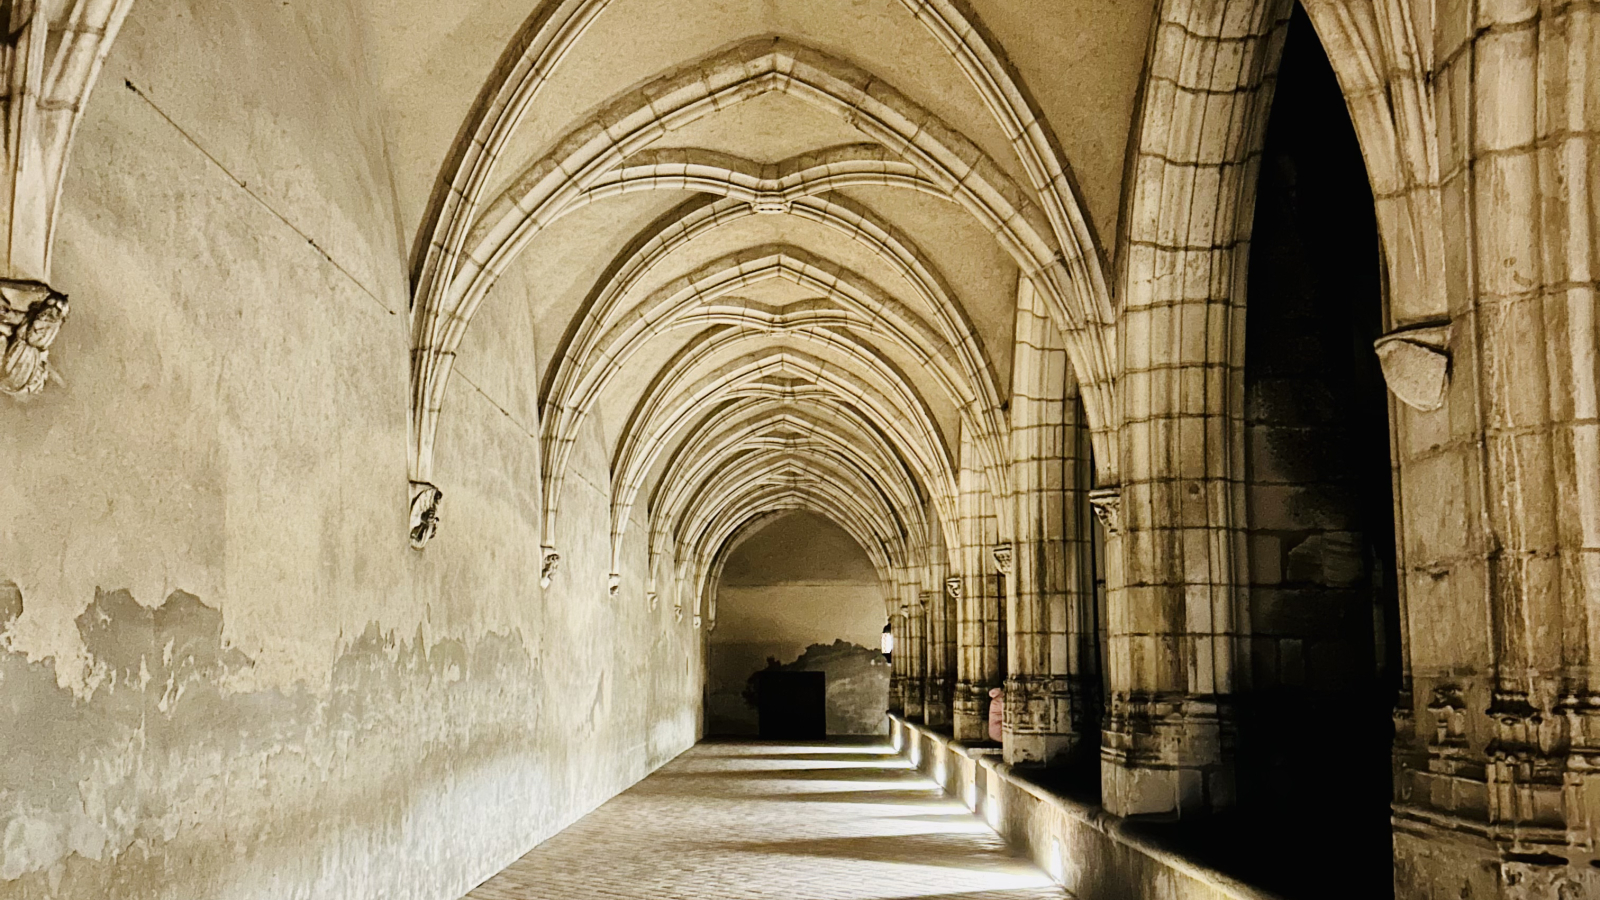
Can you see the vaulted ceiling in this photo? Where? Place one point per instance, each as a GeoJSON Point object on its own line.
{"type": "Point", "coordinates": [777, 244]}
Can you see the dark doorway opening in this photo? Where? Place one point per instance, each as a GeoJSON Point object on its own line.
{"type": "Point", "coordinates": [1315, 730]}
{"type": "Point", "coordinates": [793, 706]}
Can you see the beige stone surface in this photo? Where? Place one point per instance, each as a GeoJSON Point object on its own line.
{"type": "Point", "coordinates": [384, 501]}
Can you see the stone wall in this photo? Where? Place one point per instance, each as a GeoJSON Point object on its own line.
{"type": "Point", "coordinates": [799, 595]}
{"type": "Point", "coordinates": [223, 671]}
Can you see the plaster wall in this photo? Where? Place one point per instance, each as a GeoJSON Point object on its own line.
{"type": "Point", "coordinates": [802, 595]}
{"type": "Point", "coordinates": [223, 671]}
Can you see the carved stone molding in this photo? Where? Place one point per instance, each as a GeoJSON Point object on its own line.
{"type": "Point", "coordinates": [1416, 364]}
{"type": "Point", "coordinates": [1449, 709]}
{"type": "Point", "coordinates": [547, 570]}
{"type": "Point", "coordinates": [1520, 727]}
{"type": "Point", "coordinates": [31, 315]}
{"type": "Point", "coordinates": [425, 500]}
{"type": "Point", "coordinates": [952, 587]}
{"type": "Point", "coordinates": [1002, 558]}
{"type": "Point", "coordinates": [772, 203]}
{"type": "Point", "coordinates": [1107, 505]}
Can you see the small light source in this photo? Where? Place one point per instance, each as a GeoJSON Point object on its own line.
{"type": "Point", "coordinates": [888, 640]}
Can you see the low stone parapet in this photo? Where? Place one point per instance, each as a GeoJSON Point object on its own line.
{"type": "Point", "coordinates": [1092, 853]}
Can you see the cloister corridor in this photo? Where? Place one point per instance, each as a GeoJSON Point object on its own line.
{"type": "Point", "coordinates": [814, 821]}
{"type": "Point", "coordinates": [800, 449]}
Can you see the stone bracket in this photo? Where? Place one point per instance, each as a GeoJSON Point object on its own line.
{"type": "Point", "coordinates": [425, 500]}
{"type": "Point", "coordinates": [1416, 364]}
{"type": "Point", "coordinates": [551, 561]}
{"type": "Point", "coordinates": [31, 316]}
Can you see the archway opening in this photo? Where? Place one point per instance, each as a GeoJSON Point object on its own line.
{"type": "Point", "coordinates": [798, 604]}
{"type": "Point", "coordinates": [1315, 729]}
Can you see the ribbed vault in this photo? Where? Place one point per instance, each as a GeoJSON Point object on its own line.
{"type": "Point", "coordinates": [808, 296]}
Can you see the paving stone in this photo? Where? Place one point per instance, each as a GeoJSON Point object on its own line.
{"type": "Point", "coordinates": [836, 821]}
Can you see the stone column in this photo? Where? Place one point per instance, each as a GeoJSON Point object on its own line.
{"type": "Point", "coordinates": [1042, 723]}
{"type": "Point", "coordinates": [915, 651]}
{"type": "Point", "coordinates": [938, 700]}
{"type": "Point", "coordinates": [1175, 552]}
{"type": "Point", "coordinates": [1049, 710]}
{"type": "Point", "coordinates": [897, 664]}
{"type": "Point", "coordinates": [1167, 744]}
{"type": "Point", "coordinates": [978, 615]}
{"type": "Point", "coordinates": [969, 708]}
{"type": "Point", "coordinates": [1497, 377]}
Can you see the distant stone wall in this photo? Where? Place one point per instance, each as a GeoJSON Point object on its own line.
{"type": "Point", "coordinates": [799, 596]}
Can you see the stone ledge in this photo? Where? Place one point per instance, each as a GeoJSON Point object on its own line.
{"type": "Point", "coordinates": [1091, 852]}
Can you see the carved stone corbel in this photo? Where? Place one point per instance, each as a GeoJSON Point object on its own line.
{"type": "Point", "coordinates": [31, 315]}
{"type": "Point", "coordinates": [547, 569]}
{"type": "Point", "coordinates": [1107, 505]}
{"type": "Point", "coordinates": [654, 600]}
{"type": "Point", "coordinates": [952, 587]}
{"type": "Point", "coordinates": [1416, 364]}
{"type": "Point", "coordinates": [425, 500]}
{"type": "Point", "coordinates": [613, 584]}
{"type": "Point", "coordinates": [1002, 558]}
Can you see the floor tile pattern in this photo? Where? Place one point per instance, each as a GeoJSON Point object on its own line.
{"type": "Point", "coordinates": [836, 821]}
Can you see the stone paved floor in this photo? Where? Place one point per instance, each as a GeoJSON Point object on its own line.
{"type": "Point", "coordinates": [798, 822]}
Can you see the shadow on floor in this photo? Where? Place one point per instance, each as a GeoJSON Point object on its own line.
{"type": "Point", "coordinates": [954, 850]}
{"type": "Point", "coordinates": [869, 798]}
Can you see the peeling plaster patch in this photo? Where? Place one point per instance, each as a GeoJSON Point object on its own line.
{"type": "Point", "coordinates": [118, 793]}
{"type": "Point", "coordinates": [10, 604]}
